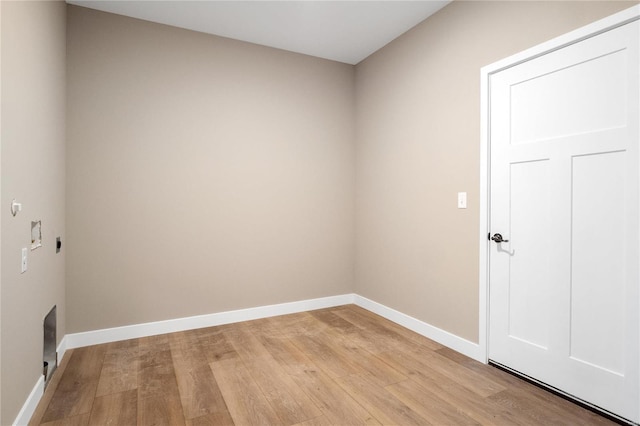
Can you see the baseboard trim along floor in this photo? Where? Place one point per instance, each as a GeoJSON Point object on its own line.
{"type": "Point", "coordinates": [95, 337]}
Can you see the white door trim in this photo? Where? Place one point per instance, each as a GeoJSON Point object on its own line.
{"type": "Point", "coordinates": [598, 27]}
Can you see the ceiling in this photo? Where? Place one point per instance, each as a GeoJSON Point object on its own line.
{"type": "Point", "coordinates": [344, 31]}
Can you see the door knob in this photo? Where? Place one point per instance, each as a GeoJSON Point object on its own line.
{"type": "Point", "coordinates": [498, 238]}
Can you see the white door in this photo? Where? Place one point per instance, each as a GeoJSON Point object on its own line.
{"type": "Point", "coordinates": [564, 192]}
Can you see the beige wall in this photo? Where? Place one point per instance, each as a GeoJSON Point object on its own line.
{"type": "Point", "coordinates": [33, 165]}
{"type": "Point", "coordinates": [418, 139]}
{"type": "Point", "coordinates": [206, 174]}
{"type": "Point", "coordinates": [203, 174]}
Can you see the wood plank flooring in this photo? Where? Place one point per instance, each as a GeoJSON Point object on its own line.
{"type": "Point", "coordinates": [338, 366]}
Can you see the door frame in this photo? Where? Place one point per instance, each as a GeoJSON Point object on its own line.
{"type": "Point", "coordinates": [621, 18]}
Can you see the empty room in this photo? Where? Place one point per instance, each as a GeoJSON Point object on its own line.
{"type": "Point", "coordinates": [319, 212]}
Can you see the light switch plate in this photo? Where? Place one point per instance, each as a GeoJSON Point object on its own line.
{"type": "Point", "coordinates": [462, 200]}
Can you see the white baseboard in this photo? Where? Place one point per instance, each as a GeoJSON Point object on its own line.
{"type": "Point", "coordinates": [445, 338]}
{"type": "Point", "coordinates": [30, 404]}
{"type": "Point", "coordinates": [62, 348]}
{"type": "Point", "coordinates": [95, 337]}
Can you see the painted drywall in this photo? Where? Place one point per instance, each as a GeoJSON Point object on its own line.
{"type": "Point", "coordinates": [206, 174]}
{"type": "Point", "coordinates": [203, 174]}
{"type": "Point", "coordinates": [418, 140]}
{"type": "Point", "coordinates": [33, 172]}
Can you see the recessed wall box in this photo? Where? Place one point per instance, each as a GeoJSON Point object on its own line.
{"type": "Point", "coordinates": [36, 235]}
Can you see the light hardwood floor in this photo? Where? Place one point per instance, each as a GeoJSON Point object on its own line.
{"type": "Point", "coordinates": [338, 366]}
